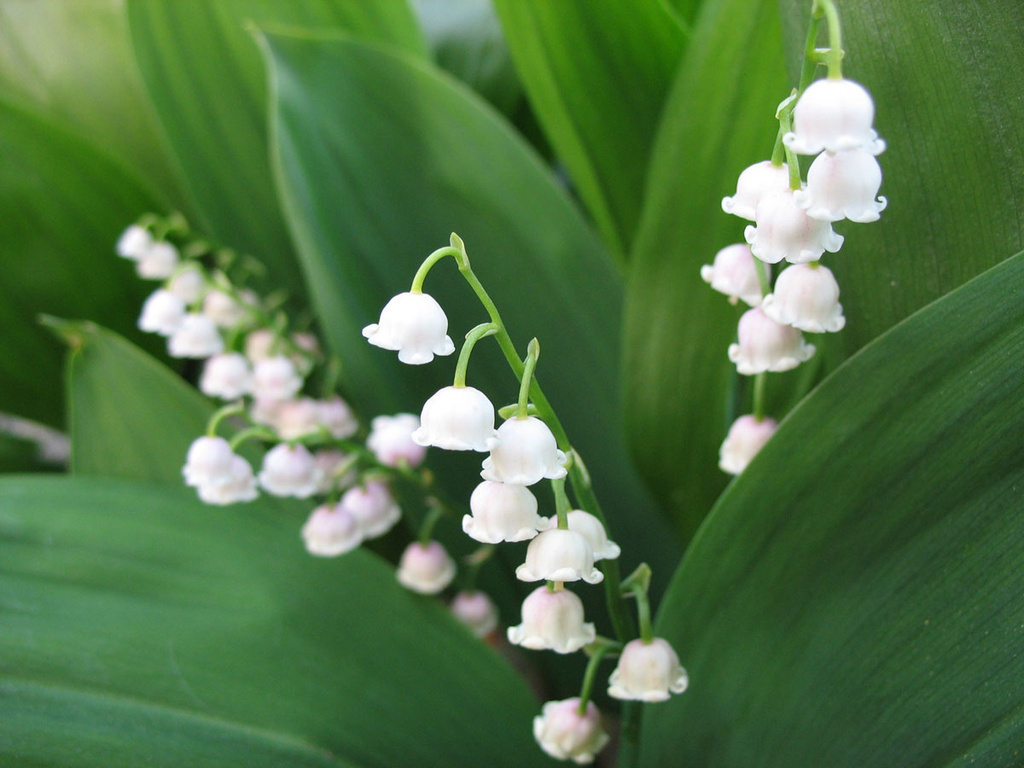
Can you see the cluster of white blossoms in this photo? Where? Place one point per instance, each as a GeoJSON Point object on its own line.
{"type": "Point", "coordinates": [522, 452]}
{"type": "Point", "coordinates": [793, 219]}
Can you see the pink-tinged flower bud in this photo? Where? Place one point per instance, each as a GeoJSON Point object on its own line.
{"type": "Point", "coordinates": [785, 231]}
{"type": "Point", "coordinates": [552, 621]}
{"type": "Point", "coordinates": [188, 284]}
{"type": "Point", "coordinates": [275, 378]}
{"type": "Point", "coordinates": [425, 569]}
{"type": "Point", "coordinates": [806, 296]}
{"type": "Point", "coordinates": [241, 486]}
{"type": "Point", "coordinates": [414, 325]}
{"type": "Point", "coordinates": [833, 115]}
{"type": "Point", "coordinates": [336, 470]}
{"type": "Point", "coordinates": [391, 440]}
{"type": "Point", "coordinates": [224, 310]}
{"type": "Point", "coordinates": [565, 734]}
{"type": "Point", "coordinates": [647, 672]}
{"type": "Point", "coordinates": [289, 470]}
{"type": "Point", "coordinates": [843, 186]}
{"type": "Point", "coordinates": [158, 261]}
{"type": "Point", "coordinates": [523, 453]}
{"type": "Point", "coordinates": [734, 274]}
{"type": "Point", "coordinates": [765, 345]}
{"type": "Point", "coordinates": [559, 555]}
{"type": "Point", "coordinates": [756, 182]}
{"type": "Point", "coordinates": [590, 528]}
{"type": "Point", "coordinates": [331, 531]}
{"type": "Point", "coordinates": [373, 507]}
{"type": "Point", "coordinates": [196, 337]}
{"type": "Point", "coordinates": [259, 344]}
{"type": "Point", "coordinates": [162, 313]}
{"type": "Point", "coordinates": [226, 376]}
{"type": "Point", "coordinates": [134, 242]}
{"type": "Point", "coordinates": [296, 418]}
{"type": "Point", "coordinates": [477, 611]}
{"type": "Point", "coordinates": [746, 437]}
{"type": "Point", "coordinates": [338, 418]}
{"type": "Point", "coordinates": [209, 462]}
{"type": "Point", "coordinates": [456, 419]}
{"type": "Point", "coordinates": [502, 512]}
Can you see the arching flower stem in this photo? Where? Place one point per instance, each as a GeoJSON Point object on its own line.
{"type": "Point", "coordinates": [598, 650]}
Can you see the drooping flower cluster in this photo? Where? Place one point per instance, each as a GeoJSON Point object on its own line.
{"type": "Point", "coordinates": [793, 220]}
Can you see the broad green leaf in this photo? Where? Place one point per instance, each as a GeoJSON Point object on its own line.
{"type": "Point", "coordinates": [467, 42]}
{"type": "Point", "coordinates": [142, 627]}
{"type": "Point", "coordinates": [719, 119]}
{"type": "Point", "coordinates": [65, 203]}
{"type": "Point", "coordinates": [131, 416]}
{"type": "Point", "coordinates": [943, 76]}
{"type": "Point", "coordinates": [204, 76]}
{"type": "Point", "coordinates": [597, 74]}
{"type": "Point", "coordinates": [72, 61]}
{"type": "Point", "coordinates": [381, 156]}
{"type": "Point", "coordinates": [854, 598]}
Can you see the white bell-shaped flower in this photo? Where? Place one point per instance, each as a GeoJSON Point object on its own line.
{"type": "Point", "coordinates": [783, 230]}
{"type": "Point", "coordinates": [477, 611]}
{"type": "Point", "coordinates": [337, 418]}
{"type": "Point", "coordinates": [647, 672]}
{"type": "Point", "coordinates": [456, 419]}
{"type": "Point", "coordinates": [593, 531]}
{"type": "Point", "coordinates": [414, 325]}
{"type": "Point", "coordinates": [241, 486]}
{"type": "Point", "coordinates": [756, 182]}
{"type": "Point", "coordinates": [391, 440]}
{"type": "Point", "coordinates": [552, 621]}
{"type": "Point", "coordinates": [162, 313]}
{"type": "Point", "coordinates": [565, 734]}
{"type": "Point", "coordinates": [158, 261]}
{"type": "Point", "coordinates": [523, 453]}
{"type": "Point", "coordinates": [289, 470]}
{"type": "Point", "coordinates": [331, 531]}
{"type": "Point", "coordinates": [833, 115]}
{"type": "Point", "coordinates": [224, 310]}
{"type": "Point", "coordinates": [765, 345]}
{"type": "Point", "coordinates": [373, 507]}
{"type": "Point", "coordinates": [209, 462]}
{"type": "Point", "coordinates": [426, 569]}
{"type": "Point", "coordinates": [843, 185]}
{"type": "Point", "coordinates": [134, 242]}
{"type": "Point", "coordinates": [502, 512]}
{"type": "Point", "coordinates": [196, 337]}
{"type": "Point", "coordinates": [806, 296]}
{"type": "Point", "coordinates": [259, 344]}
{"type": "Point", "coordinates": [746, 437]}
{"type": "Point", "coordinates": [734, 273]}
{"type": "Point", "coordinates": [336, 470]}
{"type": "Point", "coordinates": [188, 283]}
{"type": "Point", "coordinates": [226, 376]}
{"type": "Point", "coordinates": [559, 555]}
{"type": "Point", "coordinates": [275, 378]}
{"type": "Point", "coordinates": [297, 418]}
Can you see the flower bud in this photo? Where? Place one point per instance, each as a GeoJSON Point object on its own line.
{"type": "Point", "coordinates": [158, 261]}
{"type": "Point", "coordinates": [275, 378]}
{"type": "Point", "coordinates": [647, 672]}
{"type": "Point", "coordinates": [559, 555]}
{"type": "Point", "coordinates": [565, 734]}
{"type": "Point", "coordinates": [734, 273]}
{"type": "Point", "coordinates": [756, 182]}
{"type": "Point", "coordinates": [196, 337]}
{"type": "Point", "coordinates": [162, 313]}
{"type": "Point", "coordinates": [373, 507]}
{"type": "Point", "coordinates": [134, 242]}
{"type": "Point", "coordinates": [295, 418]}
{"type": "Point", "coordinates": [456, 419]}
{"type": "Point", "coordinates": [765, 345]}
{"type": "Point", "coordinates": [784, 231]}
{"type": "Point", "coordinates": [552, 621]}
{"type": "Point", "coordinates": [806, 296]}
{"type": "Point", "coordinates": [414, 325]}
{"type": "Point", "coordinates": [226, 376]}
{"type": "Point", "coordinates": [337, 417]}
{"type": "Point", "coordinates": [223, 309]}
{"type": "Point", "coordinates": [746, 437]}
{"type": "Point", "coordinates": [477, 611]}
{"type": "Point", "coordinates": [259, 344]}
{"type": "Point", "coordinates": [843, 186]}
{"type": "Point", "coordinates": [833, 115]}
{"type": "Point", "coordinates": [502, 512]}
{"type": "Point", "coordinates": [523, 453]}
{"type": "Point", "coordinates": [240, 486]}
{"type": "Point", "coordinates": [209, 462]}
{"type": "Point", "coordinates": [188, 284]}
{"type": "Point", "coordinates": [426, 569]}
{"type": "Point", "coordinates": [391, 440]}
{"type": "Point", "coordinates": [289, 470]}
{"type": "Point", "coordinates": [331, 531]}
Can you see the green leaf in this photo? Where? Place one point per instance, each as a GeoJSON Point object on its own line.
{"type": "Point", "coordinates": [942, 75]}
{"type": "Point", "coordinates": [597, 74]}
{"type": "Point", "coordinates": [719, 119]}
{"type": "Point", "coordinates": [142, 627]}
{"type": "Point", "coordinates": [854, 598]}
{"type": "Point", "coordinates": [65, 204]}
{"type": "Point", "coordinates": [381, 157]}
{"type": "Point", "coordinates": [131, 416]}
{"type": "Point", "coordinates": [73, 63]}
{"type": "Point", "coordinates": [205, 78]}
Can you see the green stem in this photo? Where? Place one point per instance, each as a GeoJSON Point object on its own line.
{"type": "Point", "coordinates": [473, 564]}
{"type": "Point", "coordinates": [763, 277]}
{"type": "Point", "coordinates": [482, 330]}
{"type": "Point", "coordinates": [562, 505]}
{"type": "Point", "coordinates": [835, 36]}
{"type": "Point", "coordinates": [643, 612]}
{"type": "Point", "coordinates": [588, 676]}
{"type": "Point", "coordinates": [428, 263]}
{"type": "Point", "coordinates": [222, 413]}
{"type": "Point", "coordinates": [427, 529]}
{"type": "Point", "coordinates": [807, 69]}
{"type": "Point", "coordinates": [257, 432]}
{"type": "Point", "coordinates": [532, 355]}
{"type": "Point", "coordinates": [759, 388]}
